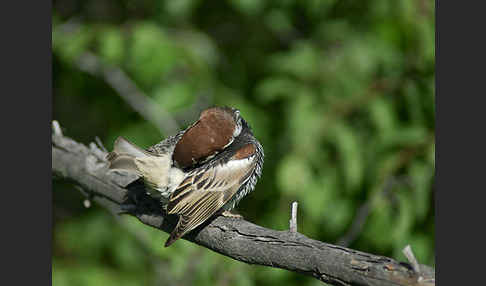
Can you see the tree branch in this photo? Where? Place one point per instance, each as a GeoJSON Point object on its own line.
{"type": "Point", "coordinates": [235, 238]}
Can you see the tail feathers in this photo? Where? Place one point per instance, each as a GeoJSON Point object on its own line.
{"type": "Point", "coordinates": [121, 162]}
{"type": "Point", "coordinates": [178, 231]}
{"type": "Point", "coordinates": [123, 146]}
{"type": "Point", "coordinates": [124, 154]}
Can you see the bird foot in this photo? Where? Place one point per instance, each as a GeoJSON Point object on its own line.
{"type": "Point", "coordinates": [231, 214]}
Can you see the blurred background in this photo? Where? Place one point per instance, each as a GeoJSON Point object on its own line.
{"type": "Point", "coordinates": [340, 93]}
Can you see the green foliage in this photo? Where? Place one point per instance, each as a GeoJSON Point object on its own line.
{"type": "Point", "coordinates": [340, 93]}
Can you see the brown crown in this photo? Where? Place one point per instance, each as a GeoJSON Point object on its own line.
{"type": "Point", "coordinates": [209, 135]}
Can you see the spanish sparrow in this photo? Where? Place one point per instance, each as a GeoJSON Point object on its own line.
{"type": "Point", "coordinates": [202, 170]}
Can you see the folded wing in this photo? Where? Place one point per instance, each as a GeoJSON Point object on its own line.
{"type": "Point", "coordinates": [204, 191]}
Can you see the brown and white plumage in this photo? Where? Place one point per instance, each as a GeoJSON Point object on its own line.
{"type": "Point", "coordinates": [154, 165]}
{"type": "Point", "coordinates": [206, 190]}
{"type": "Point", "coordinates": [202, 170]}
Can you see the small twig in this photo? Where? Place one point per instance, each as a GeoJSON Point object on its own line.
{"type": "Point", "coordinates": [407, 251]}
{"type": "Point", "coordinates": [293, 219]}
{"type": "Point", "coordinates": [56, 128]}
{"type": "Point", "coordinates": [97, 152]}
{"type": "Point", "coordinates": [100, 144]}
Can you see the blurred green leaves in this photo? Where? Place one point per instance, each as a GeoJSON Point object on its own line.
{"type": "Point", "coordinates": [340, 93]}
{"type": "Point", "coordinates": [153, 54]}
{"type": "Point", "coordinates": [294, 175]}
{"type": "Point", "coordinates": [111, 46]}
{"type": "Point", "coordinates": [301, 62]}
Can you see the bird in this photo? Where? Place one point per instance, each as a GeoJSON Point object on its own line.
{"type": "Point", "coordinates": [203, 170]}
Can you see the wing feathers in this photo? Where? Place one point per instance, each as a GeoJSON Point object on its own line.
{"type": "Point", "coordinates": [204, 192]}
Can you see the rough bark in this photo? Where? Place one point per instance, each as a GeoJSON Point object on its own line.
{"type": "Point", "coordinates": [232, 237]}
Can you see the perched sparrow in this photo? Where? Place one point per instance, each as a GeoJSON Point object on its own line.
{"type": "Point", "coordinates": [203, 170]}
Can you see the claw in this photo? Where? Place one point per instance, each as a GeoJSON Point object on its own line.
{"type": "Point", "coordinates": [231, 214]}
